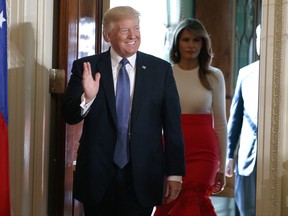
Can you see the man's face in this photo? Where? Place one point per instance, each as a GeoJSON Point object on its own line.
{"type": "Point", "coordinates": [125, 37]}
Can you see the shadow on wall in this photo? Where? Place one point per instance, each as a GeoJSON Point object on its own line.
{"type": "Point", "coordinates": [27, 86]}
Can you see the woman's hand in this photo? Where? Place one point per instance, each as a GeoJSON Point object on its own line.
{"type": "Point", "coordinates": [220, 182]}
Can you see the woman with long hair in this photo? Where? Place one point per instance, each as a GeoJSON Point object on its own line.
{"type": "Point", "coordinates": [201, 90]}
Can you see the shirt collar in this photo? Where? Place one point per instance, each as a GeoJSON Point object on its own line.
{"type": "Point", "coordinates": [115, 59]}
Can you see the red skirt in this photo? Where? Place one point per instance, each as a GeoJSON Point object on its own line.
{"type": "Point", "coordinates": [202, 164]}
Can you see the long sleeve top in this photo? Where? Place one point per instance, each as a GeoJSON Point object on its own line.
{"type": "Point", "coordinates": [196, 99]}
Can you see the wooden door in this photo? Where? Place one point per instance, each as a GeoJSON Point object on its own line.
{"type": "Point", "coordinates": [222, 36]}
{"type": "Point", "coordinates": [71, 16]}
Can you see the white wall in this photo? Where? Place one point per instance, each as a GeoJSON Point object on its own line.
{"type": "Point", "coordinates": [30, 25]}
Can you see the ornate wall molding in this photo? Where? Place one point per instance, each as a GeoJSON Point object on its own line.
{"type": "Point", "coordinates": [271, 111]}
{"type": "Point", "coordinates": [276, 101]}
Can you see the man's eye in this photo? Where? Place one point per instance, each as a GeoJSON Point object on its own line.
{"type": "Point", "coordinates": [124, 31]}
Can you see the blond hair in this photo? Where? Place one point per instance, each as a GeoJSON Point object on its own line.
{"type": "Point", "coordinates": [117, 14]}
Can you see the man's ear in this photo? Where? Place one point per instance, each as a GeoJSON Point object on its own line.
{"type": "Point", "coordinates": [106, 36]}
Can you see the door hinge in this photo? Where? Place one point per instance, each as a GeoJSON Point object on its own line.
{"type": "Point", "coordinates": [56, 81]}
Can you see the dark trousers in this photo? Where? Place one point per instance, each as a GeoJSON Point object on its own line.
{"type": "Point", "coordinates": [120, 199]}
{"type": "Point", "coordinates": [245, 193]}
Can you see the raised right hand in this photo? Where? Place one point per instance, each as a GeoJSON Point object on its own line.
{"type": "Point", "coordinates": [90, 86]}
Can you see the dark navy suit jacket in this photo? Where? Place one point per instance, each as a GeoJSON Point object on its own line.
{"type": "Point", "coordinates": [155, 109]}
{"type": "Point", "coordinates": [242, 124]}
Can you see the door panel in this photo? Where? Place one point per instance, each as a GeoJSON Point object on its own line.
{"type": "Point", "coordinates": [72, 15]}
{"type": "Point", "coordinates": [223, 14]}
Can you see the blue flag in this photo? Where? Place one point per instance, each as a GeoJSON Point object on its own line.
{"type": "Point", "coordinates": [4, 153]}
{"type": "Point", "coordinates": [3, 61]}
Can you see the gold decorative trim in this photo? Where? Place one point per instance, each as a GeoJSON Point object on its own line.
{"type": "Point", "coordinates": [276, 102]}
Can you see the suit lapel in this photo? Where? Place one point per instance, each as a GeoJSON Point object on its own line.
{"type": "Point", "coordinates": [140, 85]}
{"type": "Point", "coordinates": [104, 67]}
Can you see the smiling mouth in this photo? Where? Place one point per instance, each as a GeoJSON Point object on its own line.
{"type": "Point", "coordinates": [131, 42]}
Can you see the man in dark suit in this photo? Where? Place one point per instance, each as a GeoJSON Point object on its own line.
{"type": "Point", "coordinates": [155, 163]}
{"type": "Point", "coordinates": [242, 136]}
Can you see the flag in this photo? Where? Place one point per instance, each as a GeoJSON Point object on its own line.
{"type": "Point", "coordinates": [4, 153]}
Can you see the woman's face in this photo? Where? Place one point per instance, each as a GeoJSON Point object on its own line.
{"type": "Point", "coordinates": [189, 45]}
